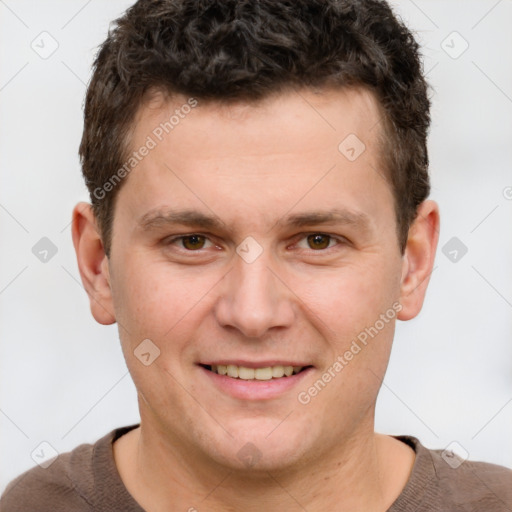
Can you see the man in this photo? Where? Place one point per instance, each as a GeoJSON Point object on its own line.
{"type": "Point", "coordinates": [259, 179]}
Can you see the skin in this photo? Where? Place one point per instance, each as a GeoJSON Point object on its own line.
{"type": "Point", "coordinates": [252, 166]}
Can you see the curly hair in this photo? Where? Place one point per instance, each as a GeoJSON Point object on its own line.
{"type": "Point", "coordinates": [232, 50]}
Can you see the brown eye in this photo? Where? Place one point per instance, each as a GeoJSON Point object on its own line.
{"type": "Point", "coordinates": [318, 241]}
{"type": "Point", "coordinates": [193, 242]}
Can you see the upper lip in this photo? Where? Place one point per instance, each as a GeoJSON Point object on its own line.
{"type": "Point", "coordinates": [253, 364]}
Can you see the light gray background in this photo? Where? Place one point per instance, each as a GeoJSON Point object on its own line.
{"type": "Point", "coordinates": [63, 377]}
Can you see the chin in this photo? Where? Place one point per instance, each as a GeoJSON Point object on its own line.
{"type": "Point", "coordinates": [260, 449]}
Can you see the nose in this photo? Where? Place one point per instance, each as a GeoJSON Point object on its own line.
{"type": "Point", "coordinates": [254, 299]}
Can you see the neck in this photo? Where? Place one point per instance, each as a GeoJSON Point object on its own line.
{"type": "Point", "coordinates": [353, 475]}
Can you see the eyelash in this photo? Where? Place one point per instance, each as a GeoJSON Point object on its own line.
{"type": "Point", "coordinates": [339, 239]}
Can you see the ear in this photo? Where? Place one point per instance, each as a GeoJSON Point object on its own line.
{"type": "Point", "coordinates": [418, 259]}
{"type": "Point", "coordinates": [92, 263]}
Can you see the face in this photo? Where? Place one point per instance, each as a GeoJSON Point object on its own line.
{"type": "Point", "coordinates": [249, 240]}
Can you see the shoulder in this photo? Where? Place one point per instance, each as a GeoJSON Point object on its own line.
{"type": "Point", "coordinates": [77, 480]}
{"type": "Point", "coordinates": [451, 482]}
{"type": "Point", "coordinates": [50, 487]}
{"type": "Point", "coordinates": [478, 485]}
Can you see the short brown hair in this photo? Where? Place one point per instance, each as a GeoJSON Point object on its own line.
{"type": "Point", "coordinates": [224, 50]}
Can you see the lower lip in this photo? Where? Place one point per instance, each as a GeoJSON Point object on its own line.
{"type": "Point", "coordinates": [255, 389]}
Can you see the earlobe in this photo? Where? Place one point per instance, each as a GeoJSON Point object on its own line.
{"type": "Point", "coordinates": [418, 259]}
{"type": "Point", "coordinates": [92, 263]}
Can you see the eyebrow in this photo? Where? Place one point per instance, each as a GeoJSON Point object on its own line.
{"type": "Point", "coordinates": [158, 218]}
{"type": "Point", "coordinates": [155, 219]}
{"type": "Point", "coordinates": [359, 220]}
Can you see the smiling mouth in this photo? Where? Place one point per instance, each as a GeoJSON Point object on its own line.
{"type": "Point", "coordinates": [244, 373]}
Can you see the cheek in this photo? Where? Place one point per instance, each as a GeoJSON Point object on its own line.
{"type": "Point", "coordinates": [348, 298]}
{"type": "Point", "coordinates": [346, 307]}
{"type": "Point", "coordinates": [153, 298]}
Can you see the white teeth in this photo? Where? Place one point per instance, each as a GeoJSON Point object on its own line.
{"type": "Point", "coordinates": [244, 373]}
{"type": "Point", "coordinates": [277, 371]}
{"type": "Point", "coordinates": [232, 371]}
{"type": "Point", "coordinates": [263, 373]}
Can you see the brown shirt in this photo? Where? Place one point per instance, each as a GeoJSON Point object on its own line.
{"type": "Point", "coordinates": [87, 479]}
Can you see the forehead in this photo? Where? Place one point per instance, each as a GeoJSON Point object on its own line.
{"type": "Point", "coordinates": [319, 115]}
{"type": "Point", "coordinates": [291, 148]}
